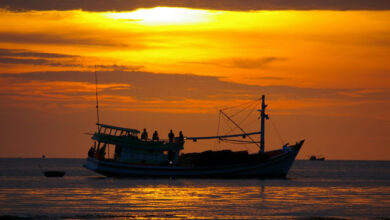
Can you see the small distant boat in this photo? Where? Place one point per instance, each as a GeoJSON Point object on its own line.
{"type": "Point", "coordinates": [52, 173]}
{"type": "Point", "coordinates": [316, 158]}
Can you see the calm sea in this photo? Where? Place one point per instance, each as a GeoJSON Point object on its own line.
{"type": "Point", "coordinates": [313, 190]}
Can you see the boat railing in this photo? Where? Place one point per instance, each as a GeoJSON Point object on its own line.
{"type": "Point", "coordinates": [166, 141]}
{"type": "Point", "coordinates": [111, 138]}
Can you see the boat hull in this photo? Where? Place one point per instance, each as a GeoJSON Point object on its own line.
{"type": "Point", "coordinates": [276, 166]}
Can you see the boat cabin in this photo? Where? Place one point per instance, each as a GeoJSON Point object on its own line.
{"type": "Point", "coordinates": [129, 148]}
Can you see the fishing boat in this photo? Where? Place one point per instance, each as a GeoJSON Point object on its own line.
{"type": "Point", "coordinates": [52, 173]}
{"type": "Point", "coordinates": [313, 157]}
{"type": "Point", "coordinates": [136, 156]}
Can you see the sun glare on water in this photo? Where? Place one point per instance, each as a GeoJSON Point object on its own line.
{"type": "Point", "coordinates": [163, 16]}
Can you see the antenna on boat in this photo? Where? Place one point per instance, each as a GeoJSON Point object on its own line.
{"type": "Point", "coordinates": [97, 99]}
{"type": "Point", "coordinates": [263, 116]}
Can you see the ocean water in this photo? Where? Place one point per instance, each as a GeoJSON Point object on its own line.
{"type": "Point", "coordinates": [313, 190]}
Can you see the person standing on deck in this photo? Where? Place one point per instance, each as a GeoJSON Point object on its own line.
{"type": "Point", "coordinates": [171, 136]}
{"type": "Point", "coordinates": [144, 135]}
{"type": "Point", "coordinates": [155, 136]}
{"type": "Point", "coordinates": [181, 137]}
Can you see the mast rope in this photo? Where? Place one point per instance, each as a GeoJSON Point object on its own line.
{"type": "Point", "coordinates": [245, 118]}
{"type": "Point", "coordinates": [277, 132]}
{"type": "Point", "coordinates": [241, 142]}
{"type": "Point", "coordinates": [218, 142]}
{"type": "Point", "coordinates": [238, 141]}
{"type": "Point", "coordinates": [239, 105]}
{"type": "Point", "coordinates": [226, 122]}
{"type": "Point", "coordinates": [243, 109]}
{"type": "Point", "coordinates": [253, 141]}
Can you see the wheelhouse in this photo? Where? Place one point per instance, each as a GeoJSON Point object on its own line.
{"type": "Point", "coordinates": [129, 148]}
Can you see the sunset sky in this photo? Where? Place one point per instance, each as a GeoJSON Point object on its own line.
{"type": "Point", "coordinates": [324, 67]}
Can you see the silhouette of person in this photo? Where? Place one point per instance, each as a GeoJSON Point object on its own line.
{"type": "Point", "coordinates": [144, 135]}
{"type": "Point", "coordinates": [171, 136]}
{"type": "Point", "coordinates": [181, 137]}
{"type": "Point", "coordinates": [155, 136]}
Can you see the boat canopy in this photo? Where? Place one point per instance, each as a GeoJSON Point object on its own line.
{"type": "Point", "coordinates": [134, 131]}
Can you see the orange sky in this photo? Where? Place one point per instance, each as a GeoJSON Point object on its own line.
{"type": "Point", "coordinates": [325, 74]}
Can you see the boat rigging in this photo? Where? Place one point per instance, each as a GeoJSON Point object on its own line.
{"type": "Point", "coordinates": [244, 134]}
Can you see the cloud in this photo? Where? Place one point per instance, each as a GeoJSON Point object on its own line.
{"type": "Point", "coordinates": [245, 5]}
{"type": "Point", "coordinates": [137, 91]}
{"type": "Point", "coordinates": [268, 78]}
{"type": "Point", "coordinates": [252, 63]}
{"type": "Point", "coordinates": [242, 63]}
{"type": "Point", "coordinates": [149, 86]}
{"type": "Point", "coordinates": [26, 53]}
{"type": "Point", "coordinates": [44, 62]}
{"type": "Point", "coordinates": [27, 57]}
{"type": "Point", "coordinates": [116, 67]}
{"type": "Point", "coordinates": [45, 38]}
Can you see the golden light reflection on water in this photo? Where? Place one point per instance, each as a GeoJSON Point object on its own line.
{"type": "Point", "coordinates": [202, 201]}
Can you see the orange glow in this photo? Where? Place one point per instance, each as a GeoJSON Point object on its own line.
{"type": "Point", "coordinates": [181, 62]}
{"type": "Point", "coordinates": [162, 16]}
{"type": "Point", "coordinates": [246, 47]}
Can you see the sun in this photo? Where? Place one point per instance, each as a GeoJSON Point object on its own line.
{"type": "Point", "coordinates": [163, 16]}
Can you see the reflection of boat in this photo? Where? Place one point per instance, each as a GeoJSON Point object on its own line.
{"type": "Point", "coordinates": [161, 158]}
{"type": "Point", "coordinates": [316, 158]}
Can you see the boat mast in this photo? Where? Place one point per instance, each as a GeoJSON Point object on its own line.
{"type": "Point", "coordinates": [97, 100]}
{"type": "Point", "coordinates": [263, 116]}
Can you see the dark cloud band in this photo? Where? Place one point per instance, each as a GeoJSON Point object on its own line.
{"type": "Point", "coordinates": [26, 53]}
{"type": "Point", "coordinates": [146, 86]}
